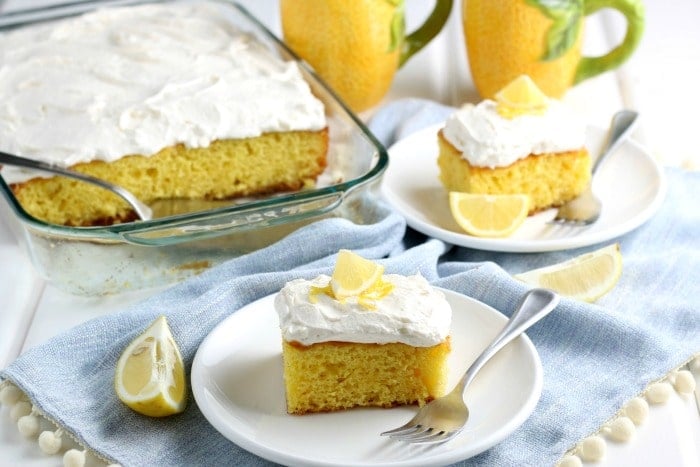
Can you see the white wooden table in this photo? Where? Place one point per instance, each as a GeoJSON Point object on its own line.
{"type": "Point", "coordinates": [658, 81]}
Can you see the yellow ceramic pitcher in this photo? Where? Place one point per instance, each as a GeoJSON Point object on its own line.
{"type": "Point", "coordinates": [540, 38]}
{"type": "Point", "coordinates": [356, 46]}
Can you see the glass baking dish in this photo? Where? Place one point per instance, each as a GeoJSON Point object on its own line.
{"type": "Point", "coordinates": [190, 237]}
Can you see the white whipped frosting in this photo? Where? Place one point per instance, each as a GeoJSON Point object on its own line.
{"type": "Point", "coordinates": [413, 313]}
{"type": "Point", "coordinates": [486, 139]}
{"type": "Point", "coordinates": [134, 80]}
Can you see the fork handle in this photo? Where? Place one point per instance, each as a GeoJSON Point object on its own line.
{"type": "Point", "coordinates": [621, 124]}
{"type": "Point", "coordinates": [534, 306]}
{"type": "Point", "coordinates": [142, 210]}
{"type": "Point", "coordinates": [11, 159]}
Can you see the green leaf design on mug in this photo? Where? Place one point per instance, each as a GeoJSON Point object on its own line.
{"type": "Point", "coordinates": [566, 21]}
{"type": "Point", "coordinates": [398, 25]}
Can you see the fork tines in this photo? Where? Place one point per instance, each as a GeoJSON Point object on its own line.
{"type": "Point", "coordinates": [572, 223]}
{"type": "Point", "coordinates": [419, 434]}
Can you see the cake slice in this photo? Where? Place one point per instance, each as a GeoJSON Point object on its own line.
{"type": "Point", "coordinates": [385, 344]}
{"type": "Point", "coordinates": [170, 101]}
{"type": "Point", "coordinates": [225, 169]}
{"type": "Point", "coordinates": [520, 143]}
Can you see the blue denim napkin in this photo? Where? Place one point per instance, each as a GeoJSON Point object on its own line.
{"type": "Point", "coordinates": [595, 356]}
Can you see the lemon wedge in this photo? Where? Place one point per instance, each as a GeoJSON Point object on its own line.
{"type": "Point", "coordinates": [520, 97]}
{"type": "Point", "coordinates": [484, 215]}
{"type": "Point", "coordinates": [150, 376]}
{"type": "Point", "coordinates": [353, 274]}
{"type": "Point", "coordinates": [586, 277]}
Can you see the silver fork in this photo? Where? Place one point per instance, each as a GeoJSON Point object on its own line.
{"type": "Point", "coordinates": [142, 210]}
{"type": "Point", "coordinates": [585, 208]}
{"type": "Point", "coordinates": [444, 417]}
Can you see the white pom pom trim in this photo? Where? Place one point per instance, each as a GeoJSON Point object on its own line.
{"type": "Point", "coordinates": [684, 382]}
{"type": "Point", "coordinates": [592, 449]}
{"type": "Point", "coordinates": [10, 395]}
{"type": "Point", "coordinates": [622, 426]}
{"type": "Point", "coordinates": [637, 410]}
{"type": "Point", "coordinates": [28, 425]}
{"type": "Point", "coordinates": [30, 419]}
{"type": "Point", "coordinates": [19, 410]}
{"type": "Point", "coordinates": [74, 458]}
{"type": "Point", "coordinates": [621, 429]}
{"type": "Point", "coordinates": [658, 393]}
{"type": "Point", "coordinates": [51, 442]}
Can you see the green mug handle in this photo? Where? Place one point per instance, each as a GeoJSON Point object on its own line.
{"type": "Point", "coordinates": [633, 11]}
{"type": "Point", "coordinates": [419, 38]}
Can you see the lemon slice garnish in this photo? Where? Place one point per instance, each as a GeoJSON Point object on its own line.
{"type": "Point", "coordinates": [150, 376]}
{"type": "Point", "coordinates": [353, 274]}
{"type": "Point", "coordinates": [484, 215]}
{"type": "Point", "coordinates": [586, 277]}
{"type": "Point", "coordinates": [520, 97]}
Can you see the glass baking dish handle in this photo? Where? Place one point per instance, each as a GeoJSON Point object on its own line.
{"type": "Point", "coordinates": [224, 223]}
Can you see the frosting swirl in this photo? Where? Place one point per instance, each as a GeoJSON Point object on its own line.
{"type": "Point", "coordinates": [413, 313]}
{"type": "Point", "coordinates": [133, 80]}
{"type": "Point", "coordinates": [487, 139]}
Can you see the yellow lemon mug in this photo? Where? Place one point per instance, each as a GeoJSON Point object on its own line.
{"type": "Point", "coordinates": [357, 46]}
{"type": "Point", "coordinates": [540, 38]}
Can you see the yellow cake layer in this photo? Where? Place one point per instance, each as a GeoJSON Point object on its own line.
{"type": "Point", "coordinates": [226, 169]}
{"type": "Point", "coordinates": [332, 376]}
{"type": "Point", "coordinates": [550, 179]}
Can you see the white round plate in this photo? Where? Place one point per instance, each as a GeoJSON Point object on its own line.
{"type": "Point", "coordinates": [630, 184]}
{"type": "Point", "coordinates": [237, 384]}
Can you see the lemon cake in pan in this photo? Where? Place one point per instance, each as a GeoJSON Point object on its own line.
{"type": "Point", "coordinates": [384, 346]}
{"type": "Point", "coordinates": [521, 142]}
{"type": "Point", "coordinates": [168, 100]}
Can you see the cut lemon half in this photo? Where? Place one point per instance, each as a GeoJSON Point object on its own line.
{"type": "Point", "coordinates": [520, 97]}
{"type": "Point", "coordinates": [489, 215]}
{"type": "Point", "coordinates": [586, 277]}
{"type": "Point", "coordinates": [353, 274]}
{"type": "Point", "coordinates": [150, 376]}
